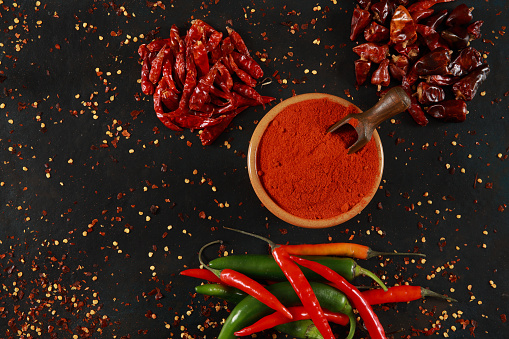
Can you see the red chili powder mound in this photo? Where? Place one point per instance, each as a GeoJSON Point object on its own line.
{"type": "Point", "coordinates": [309, 172]}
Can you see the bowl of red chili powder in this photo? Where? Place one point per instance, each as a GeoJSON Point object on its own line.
{"type": "Point", "coordinates": [304, 175]}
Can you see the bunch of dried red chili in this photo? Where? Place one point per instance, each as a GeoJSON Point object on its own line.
{"type": "Point", "coordinates": [428, 52]}
{"type": "Point", "coordinates": [200, 80]}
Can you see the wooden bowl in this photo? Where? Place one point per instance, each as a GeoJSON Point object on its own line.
{"type": "Point", "coordinates": [271, 205]}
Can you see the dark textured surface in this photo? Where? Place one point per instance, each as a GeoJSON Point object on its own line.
{"type": "Point", "coordinates": [456, 218]}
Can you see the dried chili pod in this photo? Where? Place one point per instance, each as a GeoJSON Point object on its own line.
{"type": "Point", "coordinates": [362, 68]}
{"type": "Point", "coordinates": [435, 62]}
{"type": "Point", "coordinates": [364, 3]}
{"type": "Point", "coordinates": [436, 20]}
{"type": "Point", "coordinates": [211, 133]}
{"type": "Point", "coordinates": [372, 51]}
{"type": "Point", "coordinates": [424, 4]}
{"type": "Point", "coordinates": [449, 110]}
{"type": "Point", "coordinates": [468, 59]}
{"type": "Point", "coordinates": [474, 29]}
{"type": "Point", "coordinates": [237, 41]}
{"type": "Point", "coordinates": [402, 28]}
{"type": "Point", "coordinates": [460, 15]}
{"type": "Point", "coordinates": [457, 37]}
{"type": "Point", "coordinates": [360, 19]}
{"type": "Point", "coordinates": [410, 51]}
{"type": "Point", "coordinates": [201, 58]}
{"type": "Point", "coordinates": [431, 37]}
{"type": "Point", "coordinates": [381, 76]}
{"type": "Point", "coordinates": [427, 94]}
{"type": "Point", "coordinates": [441, 80]}
{"type": "Point", "coordinates": [466, 88]}
{"type": "Point", "coordinates": [398, 66]}
{"type": "Point", "coordinates": [422, 14]}
{"type": "Point", "coordinates": [416, 111]}
{"type": "Point", "coordinates": [382, 10]}
{"type": "Point", "coordinates": [248, 64]}
{"type": "Point", "coordinates": [376, 32]}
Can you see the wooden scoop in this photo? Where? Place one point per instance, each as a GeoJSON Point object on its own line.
{"type": "Point", "coordinates": [395, 101]}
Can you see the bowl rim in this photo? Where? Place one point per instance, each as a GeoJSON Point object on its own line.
{"type": "Point", "coordinates": [271, 205]}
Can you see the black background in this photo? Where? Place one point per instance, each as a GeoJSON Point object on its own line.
{"type": "Point", "coordinates": [50, 54]}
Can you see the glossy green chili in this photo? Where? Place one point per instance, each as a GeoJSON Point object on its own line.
{"type": "Point", "coordinates": [298, 329]}
{"type": "Point", "coordinates": [264, 267]}
{"type": "Point", "coordinates": [250, 310]}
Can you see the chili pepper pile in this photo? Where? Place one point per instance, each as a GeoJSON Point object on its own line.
{"type": "Point", "coordinates": [200, 81]}
{"type": "Point", "coordinates": [427, 51]}
{"type": "Point", "coordinates": [312, 283]}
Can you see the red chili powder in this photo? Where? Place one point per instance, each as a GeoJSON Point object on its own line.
{"type": "Point", "coordinates": [309, 172]}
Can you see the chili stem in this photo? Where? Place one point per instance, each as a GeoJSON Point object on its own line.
{"type": "Point", "coordinates": [371, 275]}
{"type": "Point", "coordinates": [372, 254]}
{"type": "Point", "coordinates": [429, 293]}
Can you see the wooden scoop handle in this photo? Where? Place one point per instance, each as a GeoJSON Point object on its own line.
{"type": "Point", "coordinates": [395, 101]}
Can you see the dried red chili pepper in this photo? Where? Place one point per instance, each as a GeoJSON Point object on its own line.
{"type": "Point", "coordinates": [398, 294]}
{"type": "Point", "coordinates": [364, 3]}
{"type": "Point", "coordinates": [214, 41]}
{"type": "Point", "coordinates": [200, 95]}
{"type": "Point", "coordinates": [415, 111]}
{"type": "Point", "coordinates": [431, 37]}
{"type": "Point", "coordinates": [168, 72]}
{"type": "Point", "coordinates": [441, 80]}
{"type": "Point", "coordinates": [174, 39]}
{"type": "Point", "coordinates": [474, 29]}
{"type": "Point", "coordinates": [224, 79]}
{"type": "Point", "coordinates": [237, 41]}
{"type": "Point", "coordinates": [436, 20]}
{"type": "Point", "coordinates": [382, 10]}
{"type": "Point", "coordinates": [398, 66]}
{"type": "Point", "coordinates": [376, 32]}
{"type": "Point", "coordinates": [245, 77]}
{"type": "Point", "coordinates": [201, 59]}
{"type": "Point", "coordinates": [381, 75]}
{"type": "Point", "coordinates": [402, 28]}
{"type": "Point", "coordinates": [246, 284]}
{"type": "Point", "coordinates": [147, 87]}
{"type": "Point", "coordinates": [180, 64]}
{"type": "Point", "coordinates": [457, 37]}
{"type": "Point", "coordinates": [156, 45]}
{"type": "Point", "coordinates": [156, 67]}
{"type": "Point", "coordinates": [468, 59]}
{"type": "Point", "coordinates": [449, 110]}
{"type": "Point", "coordinates": [425, 4]}
{"type": "Point", "coordinates": [158, 108]}
{"type": "Point", "coordinates": [194, 33]}
{"type": "Point", "coordinates": [422, 14]}
{"type": "Point", "coordinates": [410, 51]}
{"type": "Point", "coordinates": [227, 46]}
{"type": "Point", "coordinates": [466, 88]}
{"type": "Point", "coordinates": [362, 68]}
{"type": "Point", "coordinates": [369, 317]}
{"type": "Point", "coordinates": [360, 20]}
{"type": "Point", "coordinates": [209, 134]}
{"type": "Point", "coordinates": [247, 64]}
{"type": "Point", "coordinates": [460, 15]}
{"type": "Point", "coordinates": [298, 313]}
{"type": "Point", "coordinates": [427, 94]}
{"type": "Point", "coordinates": [372, 51]}
{"type": "Point", "coordinates": [435, 62]}
{"type": "Point", "coordinates": [197, 121]}
{"type": "Point", "coordinates": [189, 83]}
{"type": "Point", "coordinates": [248, 92]}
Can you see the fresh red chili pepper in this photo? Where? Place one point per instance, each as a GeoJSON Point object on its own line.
{"type": "Point", "coordinates": [370, 318]}
{"type": "Point", "coordinates": [457, 37]}
{"type": "Point", "coordinates": [360, 20]}
{"type": "Point", "coordinates": [372, 51]}
{"type": "Point", "coordinates": [436, 20]}
{"type": "Point", "coordinates": [398, 66]}
{"type": "Point", "coordinates": [474, 29]}
{"type": "Point", "coordinates": [201, 273]}
{"type": "Point", "coordinates": [397, 294]}
{"type": "Point", "coordinates": [246, 284]}
{"type": "Point", "coordinates": [362, 68]}
{"type": "Point", "coordinates": [460, 15]}
{"type": "Point", "coordinates": [376, 32]}
{"type": "Point", "coordinates": [425, 4]}
{"type": "Point", "coordinates": [467, 87]}
{"type": "Point", "coordinates": [237, 41]}
{"type": "Point", "coordinates": [245, 77]}
{"type": "Point", "coordinates": [431, 37]}
{"type": "Point", "coordinates": [402, 28]}
{"type": "Point", "coordinates": [298, 313]}
{"type": "Point", "coordinates": [422, 14]}
{"type": "Point", "coordinates": [211, 133]}
{"type": "Point", "coordinates": [382, 10]}
{"type": "Point", "coordinates": [201, 59]}
{"type": "Point", "coordinates": [381, 76]}
{"type": "Point", "coordinates": [427, 94]}
{"type": "Point", "coordinates": [466, 61]}
{"type": "Point", "coordinates": [449, 110]}
{"type": "Point", "coordinates": [248, 64]}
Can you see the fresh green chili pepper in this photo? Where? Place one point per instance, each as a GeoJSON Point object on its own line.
{"type": "Point", "coordinates": [250, 310]}
{"type": "Point", "coordinates": [264, 267]}
{"type": "Point", "coordinates": [298, 329]}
